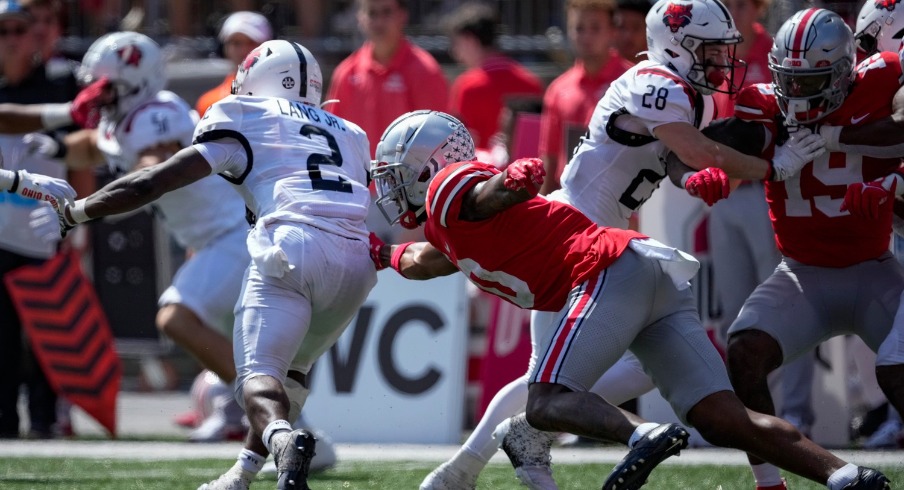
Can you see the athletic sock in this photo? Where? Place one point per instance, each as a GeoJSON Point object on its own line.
{"type": "Point", "coordinates": [640, 431]}
{"type": "Point", "coordinates": [766, 475]}
{"type": "Point", "coordinates": [250, 461]}
{"type": "Point", "coordinates": [273, 428]}
{"type": "Point", "coordinates": [842, 476]}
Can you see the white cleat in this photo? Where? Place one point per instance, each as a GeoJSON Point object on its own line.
{"type": "Point", "coordinates": [529, 451]}
{"type": "Point", "coordinates": [234, 479]}
{"type": "Point", "coordinates": [448, 477]}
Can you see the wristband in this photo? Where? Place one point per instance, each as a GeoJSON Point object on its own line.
{"type": "Point", "coordinates": [832, 135]}
{"type": "Point", "coordinates": [685, 177]}
{"type": "Point", "coordinates": [77, 212]}
{"type": "Point", "coordinates": [15, 185]}
{"type": "Point", "coordinates": [395, 261]}
{"type": "Point", "coordinates": [55, 116]}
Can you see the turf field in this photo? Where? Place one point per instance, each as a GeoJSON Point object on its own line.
{"type": "Point", "coordinates": [118, 474]}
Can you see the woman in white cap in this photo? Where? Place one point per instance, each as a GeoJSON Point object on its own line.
{"type": "Point", "coordinates": [241, 32]}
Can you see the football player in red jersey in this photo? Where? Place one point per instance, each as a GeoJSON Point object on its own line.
{"type": "Point", "coordinates": [837, 275]}
{"type": "Point", "coordinates": [613, 290]}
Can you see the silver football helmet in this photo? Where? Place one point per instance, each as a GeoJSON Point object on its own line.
{"type": "Point", "coordinates": [684, 34]}
{"type": "Point", "coordinates": [134, 65]}
{"type": "Point", "coordinates": [412, 150]}
{"type": "Point", "coordinates": [880, 26]}
{"type": "Point", "coordinates": [280, 69]}
{"type": "Point", "coordinates": [812, 65]}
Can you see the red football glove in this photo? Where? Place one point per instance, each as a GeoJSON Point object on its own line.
{"type": "Point", "coordinates": [866, 199]}
{"type": "Point", "coordinates": [376, 245]}
{"type": "Point", "coordinates": [525, 173]}
{"type": "Point", "coordinates": [85, 110]}
{"type": "Point", "coordinates": [709, 184]}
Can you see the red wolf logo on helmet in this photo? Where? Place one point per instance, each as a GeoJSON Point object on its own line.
{"type": "Point", "coordinates": [130, 55]}
{"type": "Point", "coordinates": [679, 15]}
{"type": "Point", "coordinates": [887, 4]}
{"type": "Point", "coordinates": [251, 59]}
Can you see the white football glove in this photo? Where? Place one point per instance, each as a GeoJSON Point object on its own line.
{"type": "Point", "coordinates": [801, 148]}
{"type": "Point", "coordinates": [43, 188]}
{"type": "Point", "coordinates": [44, 145]}
{"type": "Point", "coordinates": [45, 224]}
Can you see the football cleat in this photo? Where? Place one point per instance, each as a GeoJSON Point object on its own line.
{"type": "Point", "coordinates": [781, 486]}
{"type": "Point", "coordinates": [528, 450]}
{"type": "Point", "coordinates": [234, 479]}
{"type": "Point", "coordinates": [448, 477]}
{"type": "Point", "coordinates": [653, 448]}
{"type": "Point", "coordinates": [868, 479]}
{"type": "Point", "coordinates": [293, 460]}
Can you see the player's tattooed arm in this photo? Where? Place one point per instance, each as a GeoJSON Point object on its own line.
{"type": "Point", "coordinates": [418, 260]}
{"type": "Point", "coordinates": [137, 189]}
{"type": "Point", "coordinates": [520, 181]}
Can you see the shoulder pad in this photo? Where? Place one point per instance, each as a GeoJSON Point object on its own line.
{"type": "Point", "coordinates": [657, 94]}
{"type": "Point", "coordinates": [226, 114]}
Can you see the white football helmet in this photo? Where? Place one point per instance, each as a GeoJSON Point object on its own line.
{"type": "Point", "coordinates": [412, 150]}
{"type": "Point", "coordinates": [880, 26]}
{"type": "Point", "coordinates": [134, 65]}
{"type": "Point", "coordinates": [812, 65]}
{"type": "Point", "coordinates": [280, 69]}
{"type": "Point", "coordinates": [678, 35]}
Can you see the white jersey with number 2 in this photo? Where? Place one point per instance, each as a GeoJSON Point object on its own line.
{"type": "Point", "coordinates": [296, 163]}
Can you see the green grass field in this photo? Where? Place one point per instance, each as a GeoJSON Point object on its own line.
{"type": "Point", "coordinates": [87, 474]}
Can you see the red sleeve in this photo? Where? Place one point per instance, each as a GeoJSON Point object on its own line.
{"type": "Point", "coordinates": [444, 196]}
{"type": "Point", "coordinates": [339, 88]}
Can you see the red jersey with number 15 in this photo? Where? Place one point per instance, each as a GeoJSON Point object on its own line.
{"type": "Point", "coordinates": [806, 209]}
{"type": "Point", "coordinates": [531, 254]}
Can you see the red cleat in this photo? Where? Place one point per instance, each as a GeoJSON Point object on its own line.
{"type": "Point", "coordinates": [190, 419]}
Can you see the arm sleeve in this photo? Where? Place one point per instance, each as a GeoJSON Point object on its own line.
{"type": "Point", "coordinates": [226, 155]}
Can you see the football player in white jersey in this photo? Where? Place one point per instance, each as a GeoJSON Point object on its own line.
{"type": "Point", "coordinates": [303, 173]}
{"type": "Point", "coordinates": [657, 106]}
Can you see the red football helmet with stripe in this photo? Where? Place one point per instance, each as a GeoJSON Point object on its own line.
{"type": "Point", "coordinates": [812, 65]}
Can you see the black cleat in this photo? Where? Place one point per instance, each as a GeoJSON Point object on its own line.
{"type": "Point", "coordinates": [868, 479]}
{"type": "Point", "coordinates": [293, 461]}
{"type": "Point", "coordinates": [657, 445]}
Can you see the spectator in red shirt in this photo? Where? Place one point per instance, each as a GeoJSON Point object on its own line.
{"type": "Point", "coordinates": [570, 99]}
{"type": "Point", "coordinates": [631, 28]}
{"type": "Point", "coordinates": [478, 94]}
{"type": "Point", "coordinates": [388, 76]}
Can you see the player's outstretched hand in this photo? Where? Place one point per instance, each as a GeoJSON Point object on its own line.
{"type": "Point", "coordinates": [45, 224]}
{"type": "Point", "coordinates": [801, 148]}
{"type": "Point", "coordinates": [45, 145]}
{"type": "Point", "coordinates": [43, 188]}
{"type": "Point", "coordinates": [525, 173]}
{"type": "Point", "coordinates": [710, 184]}
{"type": "Point", "coordinates": [866, 199]}
{"type": "Point", "coordinates": [376, 246]}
